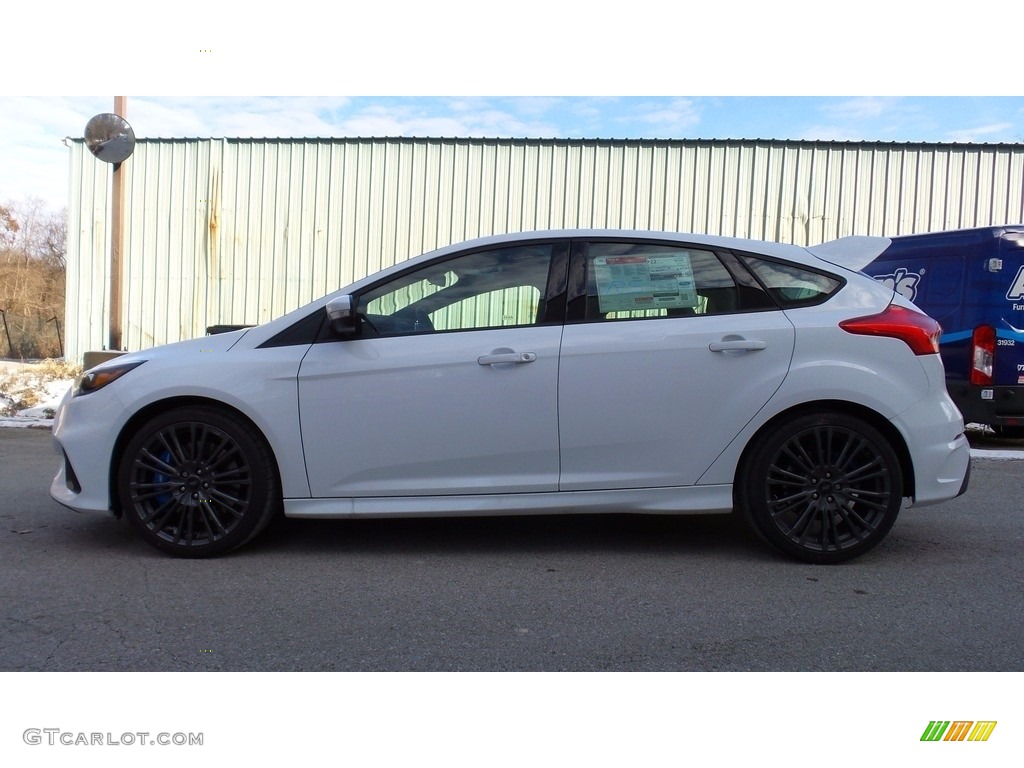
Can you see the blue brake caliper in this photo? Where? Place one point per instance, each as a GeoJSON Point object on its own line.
{"type": "Point", "coordinates": [160, 477]}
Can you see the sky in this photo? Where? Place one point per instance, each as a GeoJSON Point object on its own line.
{"type": "Point", "coordinates": [34, 161]}
{"type": "Point", "coordinates": [553, 69]}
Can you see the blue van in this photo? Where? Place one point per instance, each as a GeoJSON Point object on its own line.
{"type": "Point", "coordinates": [972, 282]}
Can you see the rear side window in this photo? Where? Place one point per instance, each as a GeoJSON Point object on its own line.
{"type": "Point", "coordinates": [643, 280]}
{"type": "Point", "coordinates": [791, 285]}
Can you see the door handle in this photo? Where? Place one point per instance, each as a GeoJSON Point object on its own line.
{"type": "Point", "coordinates": [737, 345]}
{"type": "Point", "coordinates": [507, 358]}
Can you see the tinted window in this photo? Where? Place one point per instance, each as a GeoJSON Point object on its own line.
{"type": "Point", "coordinates": [791, 285]}
{"type": "Point", "coordinates": [486, 289]}
{"type": "Point", "coordinates": [634, 280]}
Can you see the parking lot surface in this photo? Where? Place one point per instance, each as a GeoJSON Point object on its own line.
{"type": "Point", "coordinates": [627, 593]}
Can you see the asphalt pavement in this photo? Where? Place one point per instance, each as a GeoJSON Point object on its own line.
{"type": "Point", "coordinates": [625, 593]}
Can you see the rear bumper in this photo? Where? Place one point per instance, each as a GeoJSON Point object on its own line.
{"type": "Point", "coordinates": [938, 448]}
{"type": "Point", "coordinates": [967, 479]}
{"type": "Point", "coordinates": [942, 473]}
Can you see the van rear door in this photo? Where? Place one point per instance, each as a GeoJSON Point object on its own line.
{"type": "Point", "coordinates": [972, 282]}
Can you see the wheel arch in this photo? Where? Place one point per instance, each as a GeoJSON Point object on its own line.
{"type": "Point", "coordinates": [153, 409]}
{"type": "Point", "coordinates": [875, 419]}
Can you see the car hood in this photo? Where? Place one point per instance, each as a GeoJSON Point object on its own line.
{"type": "Point", "coordinates": [853, 253]}
{"type": "Point", "coordinates": [220, 342]}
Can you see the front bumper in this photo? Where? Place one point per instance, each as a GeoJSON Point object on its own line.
{"type": "Point", "coordinates": [84, 432]}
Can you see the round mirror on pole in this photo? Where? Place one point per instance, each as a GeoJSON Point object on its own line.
{"type": "Point", "coordinates": [109, 137]}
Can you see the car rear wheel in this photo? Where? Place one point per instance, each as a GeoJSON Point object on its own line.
{"type": "Point", "coordinates": [196, 482]}
{"type": "Point", "coordinates": [823, 488]}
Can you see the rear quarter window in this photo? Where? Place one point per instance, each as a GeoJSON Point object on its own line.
{"type": "Point", "coordinates": [793, 285]}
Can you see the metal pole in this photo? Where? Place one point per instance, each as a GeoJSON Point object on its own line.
{"type": "Point", "coordinates": [117, 239]}
{"type": "Point", "coordinates": [10, 346]}
{"type": "Point", "coordinates": [60, 341]}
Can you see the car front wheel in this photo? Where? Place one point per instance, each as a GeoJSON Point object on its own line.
{"type": "Point", "coordinates": [823, 488]}
{"type": "Point", "coordinates": [196, 482]}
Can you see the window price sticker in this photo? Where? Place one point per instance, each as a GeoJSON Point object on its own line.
{"type": "Point", "coordinates": [626, 283]}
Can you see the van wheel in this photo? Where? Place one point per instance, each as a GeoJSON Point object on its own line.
{"type": "Point", "coordinates": [822, 488]}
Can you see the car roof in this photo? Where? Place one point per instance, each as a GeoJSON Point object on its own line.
{"type": "Point", "coordinates": [760, 246]}
{"type": "Point", "coordinates": [854, 253]}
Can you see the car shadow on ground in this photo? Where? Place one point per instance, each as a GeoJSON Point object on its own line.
{"type": "Point", "coordinates": [572, 534]}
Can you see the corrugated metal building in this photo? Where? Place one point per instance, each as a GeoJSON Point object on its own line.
{"type": "Point", "coordinates": [243, 230]}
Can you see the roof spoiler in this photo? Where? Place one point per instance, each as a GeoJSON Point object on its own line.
{"type": "Point", "coordinates": [854, 252]}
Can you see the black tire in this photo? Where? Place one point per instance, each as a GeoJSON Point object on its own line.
{"type": "Point", "coordinates": [1009, 433]}
{"type": "Point", "coordinates": [196, 482]}
{"type": "Point", "coordinates": [823, 488]}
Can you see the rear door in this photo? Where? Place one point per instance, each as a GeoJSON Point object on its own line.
{"type": "Point", "coordinates": [668, 352]}
{"type": "Point", "coordinates": [1008, 369]}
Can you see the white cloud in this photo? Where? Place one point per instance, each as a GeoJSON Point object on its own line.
{"type": "Point", "coordinates": [829, 133]}
{"type": "Point", "coordinates": [860, 108]}
{"type": "Point", "coordinates": [32, 154]}
{"type": "Point", "coordinates": [646, 117]}
{"type": "Point", "coordinates": [233, 116]}
{"type": "Point", "coordinates": [997, 132]}
{"type": "Point", "coordinates": [476, 117]}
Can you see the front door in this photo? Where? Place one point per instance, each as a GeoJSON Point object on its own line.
{"type": "Point", "coordinates": [450, 389]}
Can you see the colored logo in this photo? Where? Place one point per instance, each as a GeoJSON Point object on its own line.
{"type": "Point", "coordinates": [958, 730]}
{"type": "Point", "coordinates": [904, 282]}
{"type": "Point", "coordinates": [1016, 292]}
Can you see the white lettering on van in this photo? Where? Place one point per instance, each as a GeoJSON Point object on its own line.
{"type": "Point", "coordinates": [1016, 292]}
{"type": "Point", "coordinates": [903, 281]}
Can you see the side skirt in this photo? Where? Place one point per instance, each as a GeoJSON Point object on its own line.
{"type": "Point", "coordinates": [704, 499]}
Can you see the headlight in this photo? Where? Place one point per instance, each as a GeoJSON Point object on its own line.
{"type": "Point", "coordinates": [98, 378]}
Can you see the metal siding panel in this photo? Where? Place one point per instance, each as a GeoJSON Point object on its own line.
{"type": "Point", "coordinates": [1014, 184]}
{"type": "Point", "coordinates": [232, 231]}
{"type": "Point", "coordinates": [586, 175]}
{"type": "Point", "coordinates": [954, 185]}
{"type": "Point", "coordinates": [88, 254]}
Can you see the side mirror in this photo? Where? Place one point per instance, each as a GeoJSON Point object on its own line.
{"type": "Point", "coordinates": [342, 317]}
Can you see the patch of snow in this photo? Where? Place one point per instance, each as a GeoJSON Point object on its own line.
{"type": "Point", "coordinates": [39, 416]}
{"type": "Point", "coordinates": [48, 394]}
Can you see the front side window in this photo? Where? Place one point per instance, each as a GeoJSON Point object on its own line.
{"type": "Point", "coordinates": [486, 289]}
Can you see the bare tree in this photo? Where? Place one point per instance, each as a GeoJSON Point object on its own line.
{"type": "Point", "coordinates": [33, 247]}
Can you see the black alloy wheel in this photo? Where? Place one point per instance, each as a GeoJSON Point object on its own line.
{"type": "Point", "coordinates": [823, 488]}
{"type": "Point", "coordinates": [196, 482]}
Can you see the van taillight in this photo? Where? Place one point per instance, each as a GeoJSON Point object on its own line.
{"type": "Point", "coordinates": [983, 354]}
{"type": "Point", "coordinates": [916, 329]}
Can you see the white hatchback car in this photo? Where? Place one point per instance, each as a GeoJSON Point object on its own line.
{"type": "Point", "coordinates": [542, 372]}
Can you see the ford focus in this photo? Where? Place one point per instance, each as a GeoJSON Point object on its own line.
{"type": "Point", "coordinates": [543, 372]}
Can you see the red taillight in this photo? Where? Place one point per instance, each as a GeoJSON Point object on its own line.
{"type": "Point", "coordinates": [983, 353]}
{"type": "Point", "coordinates": [917, 330]}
